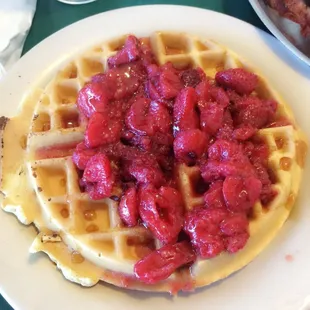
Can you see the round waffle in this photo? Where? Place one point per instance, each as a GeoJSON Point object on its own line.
{"type": "Point", "coordinates": [85, 238]}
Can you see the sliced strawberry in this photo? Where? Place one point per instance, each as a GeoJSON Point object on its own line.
{"type": "Point", "coordinates": [202, 225]}
{"type": "Point", "coordinates": [211, 117]}
{"type": "Point", "coordinates": [191, 77]}
{"type": "Point", "coordinates": [121, 82]}
{"type": "Point", "coordinates": [244, 132]}
{"type": "Point", "coordinates": [102, 130]}
{"type": "Point", "coordinates": [214, 196]}
{"type": "Point", "coordinates": [162, 212]}
{"type": "Point", "coordinates": [129, 53]}
{"type": "Point", "coordinates": [160, 264]}
{"type": "Point", "coordinates": [241, 193]}
{"type": "Point", "coordinates": [184, 110]}
{"type": "Point", "coordinates": [128, 208]}
{"type": "Point", "coordinates": [238, 79]}
{"type": "Point", "coordinates": [234, 244]}
{"type": "Point", "coordinates": [189, 145]}
{"type": "Point", "coordinates": [255, 112]}
{"type": "Point", "coordinates": [169, 84]}
{"type": "Point", "coordinates": [203, 91]}
{"type": "Point", "coordinates": [82, 155]}
{"type": "Point", "coordinates": [98, 175]}
{"type": "Point", "coordinates": [136, 118]}
{"type": "Point", "coordinates": [92, 98]}
{"type": "Point", "coordinates": [219, 95]}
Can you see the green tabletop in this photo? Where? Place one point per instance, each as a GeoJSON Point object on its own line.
{"type": "Point", "coordinates": [52, 15]}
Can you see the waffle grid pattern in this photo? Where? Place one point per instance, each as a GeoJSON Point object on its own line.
{"type": "Point", "coordinates": [56, 181]}
{"type": "Point", "coordinates": [281, 141]}
{"type": "Point", "coordinates": [56, 111]}
{"type": "Point", "coordinates": [187, 51]}
{"type": "Point", "coordinates": [94, 223]}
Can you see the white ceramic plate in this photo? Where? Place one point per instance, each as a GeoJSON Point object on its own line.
{"type": "Point", "coordinates": [270, 282]}
{"type": "Point", "coordinates": [284, 29]}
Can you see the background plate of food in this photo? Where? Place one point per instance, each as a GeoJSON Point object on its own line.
{"type": "Point", "coordinates": [289, 21]}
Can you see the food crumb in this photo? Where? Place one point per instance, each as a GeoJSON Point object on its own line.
{"type": "Point", "coordinates": [50, 238]}
{"type": "Point", "coordinates": [289, 258]}
{"type": "Point", "coordinates": [3, 121]}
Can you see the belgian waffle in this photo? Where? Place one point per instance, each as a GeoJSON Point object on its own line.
{"type": "Point", "coordinates": [86, 239]}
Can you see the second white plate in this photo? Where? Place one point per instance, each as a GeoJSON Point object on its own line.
{"type": "Point", "coordinates": [284, 29]}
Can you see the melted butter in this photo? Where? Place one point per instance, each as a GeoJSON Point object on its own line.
{"type": "Point", "coordinates": [285, 163]}
{"type": "Point", "coordinates": [77, 258]}
{"type": "Point", "coordinates": [23, 202]}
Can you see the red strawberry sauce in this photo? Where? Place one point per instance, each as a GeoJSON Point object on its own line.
{"type": "Point", "coordinates": [145, 119]}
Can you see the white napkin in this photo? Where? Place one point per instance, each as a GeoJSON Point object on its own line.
{"type": "Point", "coordinates": [15, 21]}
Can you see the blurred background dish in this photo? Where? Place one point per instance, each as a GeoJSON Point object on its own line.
{"type": "Point", "coordinates": [286, 30]}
